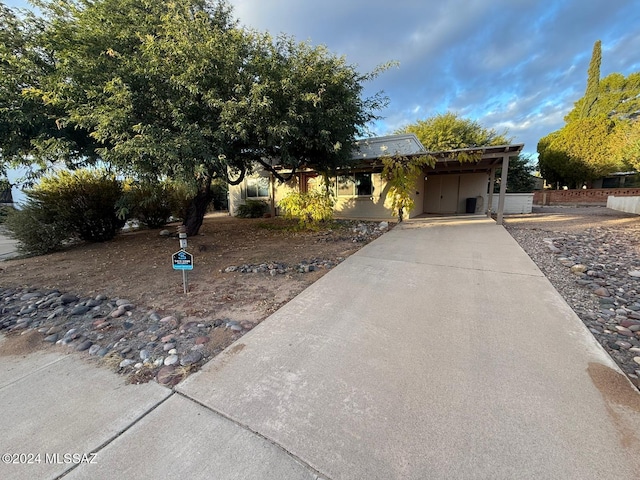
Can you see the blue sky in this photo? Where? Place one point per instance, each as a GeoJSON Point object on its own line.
{"type": "Point", "coordinates": [515, 64]}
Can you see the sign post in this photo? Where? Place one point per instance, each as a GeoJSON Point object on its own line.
{"type": "Point", "coordinates": [183, 260]}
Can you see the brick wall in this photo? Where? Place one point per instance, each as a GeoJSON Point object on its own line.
{"type": "Point", "coordinates": [590, 196]}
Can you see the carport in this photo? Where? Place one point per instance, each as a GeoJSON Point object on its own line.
{"type": "Point", "coordinates": [479, 164]}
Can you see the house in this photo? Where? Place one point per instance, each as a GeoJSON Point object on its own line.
{"type": "Point", "coordinates": [450, 187]}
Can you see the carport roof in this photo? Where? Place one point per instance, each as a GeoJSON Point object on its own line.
{"type": "Point", "coordinates": [372, 149]}
{"type": "Point", "coordinates": [490, 157]}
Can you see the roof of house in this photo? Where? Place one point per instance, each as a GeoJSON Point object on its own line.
{"type": "Point", "coordinates": [376, 147]}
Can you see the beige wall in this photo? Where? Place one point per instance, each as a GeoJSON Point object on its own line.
{"type": "Point", "coordinates": [473, 185]}
{"type": "Point", "coordinates": [447, 194]}
{"type": "Point", "coordinates": [378, 206]}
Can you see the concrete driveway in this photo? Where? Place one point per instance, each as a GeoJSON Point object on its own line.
{"type": "Point", "coordinates": [438, 351]}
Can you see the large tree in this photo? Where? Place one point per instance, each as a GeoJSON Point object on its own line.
{"type": "Point", "coordinates": [593, 82]}
{"type": "Point", "coordinates": [600, 134]}
{"type": "Point", "coordinates": [177, 89]}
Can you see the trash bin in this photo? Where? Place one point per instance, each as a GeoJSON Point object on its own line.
{"type": "Point", "coordinates": [471, 205]}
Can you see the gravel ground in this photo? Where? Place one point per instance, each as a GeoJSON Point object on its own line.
{"type": "Point", "coordinates": [591, 255]}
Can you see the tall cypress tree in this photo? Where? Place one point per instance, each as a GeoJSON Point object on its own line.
{"type": "Point", "coordinates": [593, 81]}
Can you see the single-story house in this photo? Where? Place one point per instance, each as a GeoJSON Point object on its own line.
{"type": "Point", "coordinates": [450, 187]}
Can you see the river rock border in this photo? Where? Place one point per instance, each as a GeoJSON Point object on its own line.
{"type": "Point", "coordinates": [139, 343]}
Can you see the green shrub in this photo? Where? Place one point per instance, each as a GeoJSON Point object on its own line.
{"type": "Point", "coordinates": [84, 202]}
{"type": "Point", "coordinates": [309, 208]}
{"type": "Point", "coordinates": [150, 203]}
{"type": "Point", "coordinates": [253, 209]}
{"type": "Point", "coordinates": [37, 229]}
{"type": "Point", "coordinates": [220, 194]}
{"type": "Point", "coordinates": [180, 197]}
{"type": "Point", "coordinates": [4, 212]}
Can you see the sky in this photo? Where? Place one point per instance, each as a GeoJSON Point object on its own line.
{"type": "Point", "coordinates": [508, 64]}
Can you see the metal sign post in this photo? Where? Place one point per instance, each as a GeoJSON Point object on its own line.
{"type": "Point", "coordinates": [183, 260]}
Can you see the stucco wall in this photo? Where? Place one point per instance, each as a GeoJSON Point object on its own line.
{"type": "Point", "coordinates": [376, 206]}
{"type": "Point", "coordinates": [514, 203]}
{"type": "Point", "coordinates": [624, 204]}
{"type": "Point", "coordinates": [473, 185]}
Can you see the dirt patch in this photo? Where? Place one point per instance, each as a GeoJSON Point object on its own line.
{"type": "Point", "coordinates": [24, 344]}
{"type": "Point", "coordinates": [122, 302]}
{"type": "Point", "coordinates": [571, 219]}
{"type": "Point", "coordinates": [137, 266]}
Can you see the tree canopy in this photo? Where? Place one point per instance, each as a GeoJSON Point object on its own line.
{"type": "Point", "coordinates": [601, 133]}
{"type": "Point", "coordinates": [175, 89]}
{"type": "Point", "coordinates": [31, 133]}
{"type": "Point", "coordinates": [449, 131]}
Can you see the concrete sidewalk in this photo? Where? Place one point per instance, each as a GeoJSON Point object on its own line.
{"type": "Point", "coordinates": [438, 351]}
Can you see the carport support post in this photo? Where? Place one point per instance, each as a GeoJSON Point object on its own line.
{"type": "Point", "coordinates": [492, 186]}
{"type": "Point", "coordinates": [503, 188]}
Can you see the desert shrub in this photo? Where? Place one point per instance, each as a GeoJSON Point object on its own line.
{"type": "Point", "coordinates": [4, 212]}
{"type": "Point", "coordinates": [309, 208]}
{"type": "Point", "coordinates": [150, 203]}
{"type": "Point", "coordinates": [37, 229]}
{"type": "Point", "coordinates": [84, 201]}
{"type": "Point", "coordinates": [180, 197]}
{"type": "Point", "coordinates": [253, 209]}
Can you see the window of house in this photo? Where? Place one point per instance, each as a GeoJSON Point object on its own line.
{"type": "Point", "coordinates": [357, 185]}
{"type": "Point", "coordinates": [364, 184]}
{"type": "Point", "coordinates": [257, 187]}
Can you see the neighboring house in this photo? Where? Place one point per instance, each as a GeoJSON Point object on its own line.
{"type": "Point", "coordinates": [451, 187]}
{"type": "Point", "coordinates": [618, 180]}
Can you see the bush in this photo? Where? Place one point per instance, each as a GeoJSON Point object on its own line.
{"type": "Point", "coordinates": [37, 229]}
{"type": "Point", "coordinates": [4, 212]}
{"type": "Point", "coordinates": [253, 209]}
{"type": "Point", "coordinates": [180, 197]}
{"type": "Point", "coordinates": [80, 204]}
{"type": "Point", "coordinates": [309, 208]}
{"type": "Point", "coordinates": [150, 203]}
{"type": "Point", "coordinates": [85, 202]}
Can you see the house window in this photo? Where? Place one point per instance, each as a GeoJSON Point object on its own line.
{"type": "Point", "coordinates": [357, 185]}
{"type": "Point", "coordinates": [364, 185]}
{"type": "Point", "coordinates": [257, 187]}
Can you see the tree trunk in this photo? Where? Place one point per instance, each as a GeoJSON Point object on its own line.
{"type": "Point", "coordinates": [197, 210]}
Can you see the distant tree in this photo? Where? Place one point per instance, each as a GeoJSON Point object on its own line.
{"type": "Point", "coordinates": [593, 81]}
{"type": "Point", "coordinates": [628, 136]}
{"type": "Point", "coordinates": [618, 98]}
{"type": "Point", "coordinates": [449, 131]}
{"type": "Point", "coordinates": [600, 136]}
{"type": "Point", "coordinates": [555, 164]}
{"type": "Point", "coordinates": [520, 178]}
